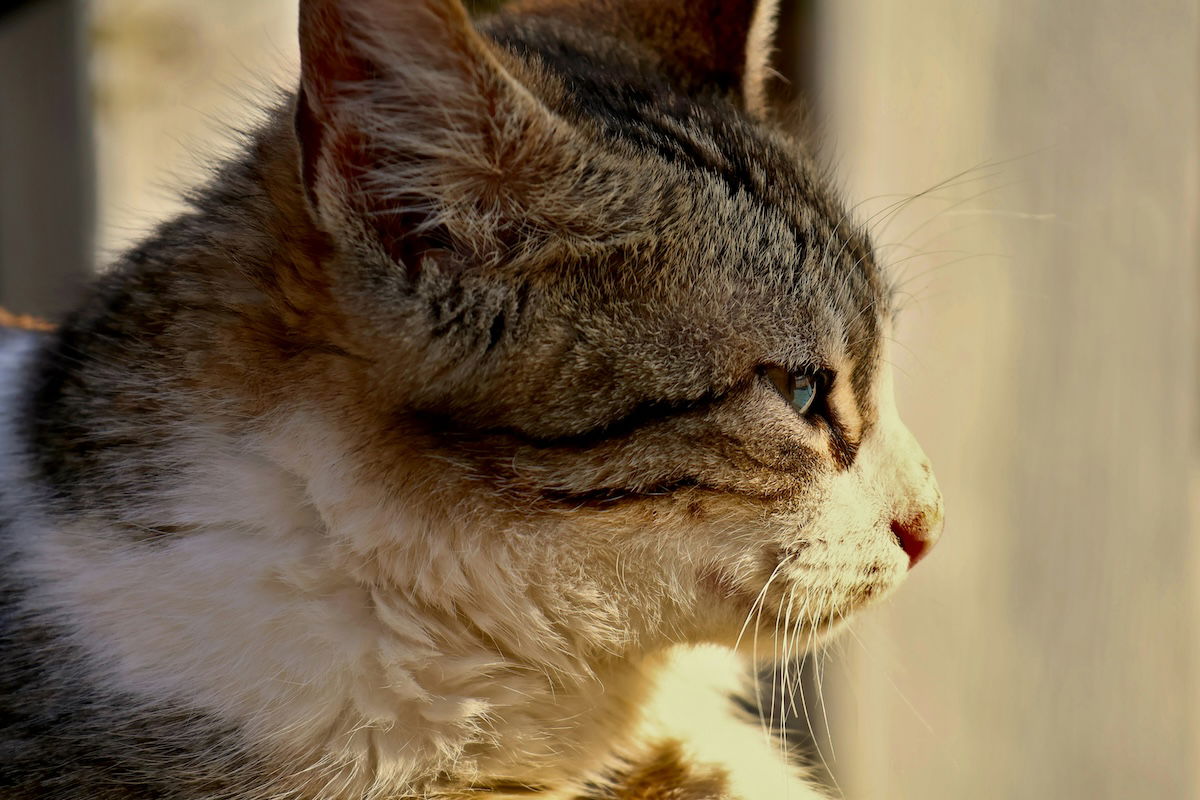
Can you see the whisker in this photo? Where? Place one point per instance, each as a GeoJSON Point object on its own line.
{"type": "Point", "coordinates": [754, 647]}
{"type": "Point", "coordinates": [952, 206]}
{"type": "Point", "coordinates": [759, 599]}
{"type": "Point", "coordinates": [894, 685]}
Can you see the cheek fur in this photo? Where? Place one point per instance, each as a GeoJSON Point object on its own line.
{"type": "Point", "coordinates": [701, 566]}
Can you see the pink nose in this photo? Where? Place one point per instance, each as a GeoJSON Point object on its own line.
{"type": "Point", "coordinates": [916, 536]}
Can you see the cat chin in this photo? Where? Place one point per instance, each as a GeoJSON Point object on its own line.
{"type": "Point", "coordinates": [785, 625]}
{"type": "Point", "coordinates": [780, 637]}
{"type": "Point", "coordinates": [774, 647]}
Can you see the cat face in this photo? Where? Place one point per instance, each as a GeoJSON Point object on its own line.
{"type": "Point", "coordinates": [578, 268]}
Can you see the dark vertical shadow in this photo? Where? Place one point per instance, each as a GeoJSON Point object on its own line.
{"type": "Point", "coordinates": [46, 162]}
{"type": "Point", "coordinates": [796, 53]}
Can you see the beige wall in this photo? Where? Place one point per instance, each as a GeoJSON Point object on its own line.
{"type": "Point", "coordinates": [174, 82]}
{"type": "Point", "coordinates": [1047, 649]}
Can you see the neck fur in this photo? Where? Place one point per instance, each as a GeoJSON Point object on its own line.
{"type": "Point", "coordinates": [373, 638]}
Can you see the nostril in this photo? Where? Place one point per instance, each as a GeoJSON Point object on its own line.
{"type": "Point", "coordinates": [915, 536]}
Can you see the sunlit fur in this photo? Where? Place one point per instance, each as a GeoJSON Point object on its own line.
{"type": "Point", "coordinates": [402, 465]}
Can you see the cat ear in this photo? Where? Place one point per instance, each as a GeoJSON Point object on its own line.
{"type": "Point", "coordinates": [722, 44]}
{"type": "Point", "coordinates": [404, 112]}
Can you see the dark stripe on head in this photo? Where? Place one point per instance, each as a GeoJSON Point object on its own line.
{"type": "Point", "coordinates": [616, 87]}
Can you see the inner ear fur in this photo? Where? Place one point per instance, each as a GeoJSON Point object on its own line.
{"type": "Point", "coordinates": [405, 115]}
{"type": "Point", "coordinates": [701, 44]}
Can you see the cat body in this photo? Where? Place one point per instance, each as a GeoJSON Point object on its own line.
{"type": "Point", "coordinates": [404, 463]}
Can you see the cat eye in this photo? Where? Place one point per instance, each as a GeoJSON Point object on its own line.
{"type": "Point", "coordinates": [801, 390]}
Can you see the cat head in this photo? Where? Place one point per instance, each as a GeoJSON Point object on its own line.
{"type": "Point", "coordinates": [618, 351]}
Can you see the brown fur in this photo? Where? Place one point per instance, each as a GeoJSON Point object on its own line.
{"type": "Point", "coordinates": [663, 774]}
{"type": "Point", "coordinates": [23, 322]}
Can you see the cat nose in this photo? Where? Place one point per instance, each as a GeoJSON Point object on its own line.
{"type": "Point", "coordinates": [918, 533]}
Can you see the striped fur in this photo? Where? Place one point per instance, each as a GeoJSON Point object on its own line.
{"type": "Point", "coordinates": [404, 464]}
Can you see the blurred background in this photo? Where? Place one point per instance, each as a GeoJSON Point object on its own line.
{"type": "Point", "coordinates": [1030, 170]}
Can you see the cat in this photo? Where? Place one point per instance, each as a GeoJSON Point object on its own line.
{"type": "Point", "coordinates": [507, 361]}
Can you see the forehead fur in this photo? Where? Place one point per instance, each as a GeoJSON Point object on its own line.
{"type": "Point", "coordinates": [713, 244]}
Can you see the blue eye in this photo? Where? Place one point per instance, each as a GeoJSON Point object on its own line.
{"type": "Point", "coordinates": [799, 390]}
{"type": "Point", "coordinates": [805, 393]}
